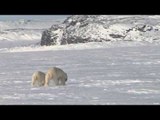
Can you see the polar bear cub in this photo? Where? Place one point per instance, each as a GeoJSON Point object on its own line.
{"type": "Point", "coordinates": [38, 79]}
{"type": "Point", "coordinates": [55, 76]}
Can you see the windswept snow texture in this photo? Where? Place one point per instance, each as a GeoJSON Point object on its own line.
{"type": "Point", "coordinates": [115, 74]}
{"type": "Point", "coordinates": [23, 32]}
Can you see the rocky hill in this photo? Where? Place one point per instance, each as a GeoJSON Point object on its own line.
{"type": "Point", "coordinates": [98, 28]}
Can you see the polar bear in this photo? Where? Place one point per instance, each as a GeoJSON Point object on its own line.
{"type": "Point", "coordinates": [55, 76]}
{"type": "Point", "coordinates": [38, 79]}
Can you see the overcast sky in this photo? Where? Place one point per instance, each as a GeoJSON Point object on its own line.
{"type": "Point", "coordinates": [42, 17]}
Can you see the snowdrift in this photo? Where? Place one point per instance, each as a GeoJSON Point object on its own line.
{"type": "Point", "coordinates": [13, 30]}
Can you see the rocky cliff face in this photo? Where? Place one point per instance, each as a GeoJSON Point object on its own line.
{"type": "Point", "coordinates": [98, 28]}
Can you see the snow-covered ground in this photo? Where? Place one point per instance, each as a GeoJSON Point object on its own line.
{"type": "Point", "coordinates": [13, 30]}
{"type": "Point", "coordinates": [99, 73]}
{"type": "Point", "coordinates": [114, 72]}
{"type": "Point", "coordinates": [23, 32]}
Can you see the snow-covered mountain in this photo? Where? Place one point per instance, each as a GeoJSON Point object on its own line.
{"type": "Point", "coordinates": [98, 28]}
{"type": "Point", "coordinates": [13, 30]}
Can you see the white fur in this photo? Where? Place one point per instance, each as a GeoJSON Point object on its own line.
{"type": "Point", "coordinates": [38, 79]}
{"type": "Point", "coordinates": [55, 76]}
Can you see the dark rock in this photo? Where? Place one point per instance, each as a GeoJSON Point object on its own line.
{"type": "Point", "coordinates": [97, 28]}
{"type": "Point", "coordinates": [116, 36]}
{"type": "Point", "coordinates": [53, 36]}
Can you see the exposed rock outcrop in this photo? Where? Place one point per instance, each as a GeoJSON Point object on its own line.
{"type": "Point", "coordinates": [98, 28]}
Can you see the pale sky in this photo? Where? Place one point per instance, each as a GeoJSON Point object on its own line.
{"type": "Point", "coordinates": [41, 17]}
